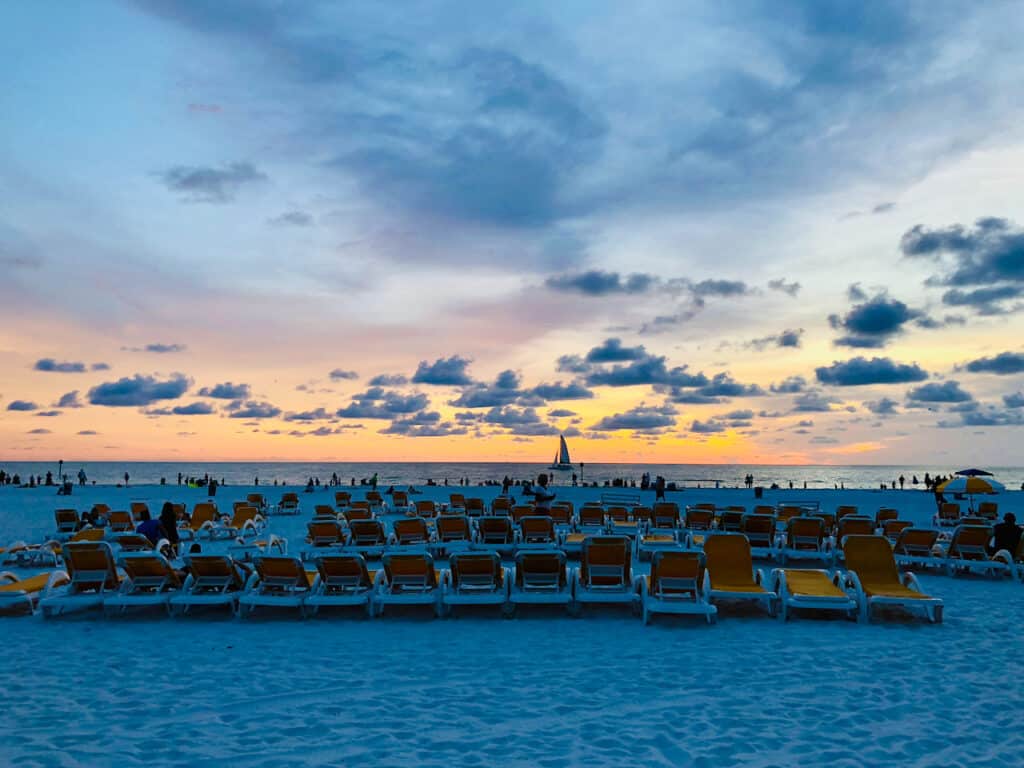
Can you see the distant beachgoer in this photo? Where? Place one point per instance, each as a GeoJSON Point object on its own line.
{"type": "Point", "coordinates": [169, 520]}
{"type": "Point", "coordinates": [659, 488]}
{"type": "Point", "coordinates": [902, 480]}
{"type": "Point", "coordinates": [373, 481]}
{"type": "Point", "coordinates": [81, 477]}
{"type": "Point", "coordinates": [125, 479]}
{"type": "Point", "coordinates": [506, 483]}
{"type": "Point", "coordinates": [541, 496]}
{"type": "Point", "coordinates": [1006, 535]}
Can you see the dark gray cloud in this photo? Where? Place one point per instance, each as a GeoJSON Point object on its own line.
{"type": "Point", "coordinates": [787, 338]}
{"type": "Point", "coordinates": [598, 283]}
{"type": "Point", "coordinates": [1003, 364]}
{"type": "Point", "coordinates": [939, 392]}
{"type": "Point", "coordinates": [226, 391]}
{"type": "Point", "coordinates": [100, 367]}
{"type": "Point", "coordinates": [503, 391]}
{"type": "Point", "coordinates": [790, 385]}
{"type": "Point", "coordinates": [559, 391]}
{"type": "Point", "coordinates": [69, 400]}
{"type": "Point", "coordinates": [253, 409]}
{"type": "Point", "coordinates": [814, 401]}
{"type": "Point", "coordinates": [291, 219]}
{"type": "Point", "coordinates": [717, 390]}
{"type": "Point", "coordinates": [612, 351]}
{"type": "Point", "coordinates": [986, 301]}
{"type": "Point", "coordinates": [728, 288]}
{"type": "Point", "coordinates": [339, 374]}
{"type": "Point", "coordinates": [193, 409]}
{"type": "Point", "coordinates": [423, 424]}
{"type": "Point", "coordinates": [649, 370]}
{"type": "Point", "coordinates": [39, 431]}
{"type": "Point", "coordinates": [860, 371]}
{"type": "Point", "coordinates": [49, 414]}
{"type": "Point", "coordinates": [641, 418]}
{"type": "Point", "coordinates": [883, 407]}
{"type": "Point", "coordinates": [781, 285]}
{"type": "Point", "coordinates": [1014, 400]}
{"type": "Point", "coordinates": [88, 432]}
{"type": "Point", "coordinates": [378, 403]}
{"type": "Point", "coordinates": [707, 427]}
{"type": "Point", "coordinates": [157, 348]}
{"type": "Point", "coordinates": [318, 414]}
{"type": "Point", "coordinates": [572, 364]}
{"type": "Point", "coordinates": [449, 372]}
{"type": "Point", "coordinates": [561, 413]}
{"type": "Point", "coordinates": [990, 252]}
{"type": "Point", "coordinates": [989, 416]}
{"type": "Point", "coordinates": [389, 380]}
{"type": "Point", "coordinates": [138, 390]}
{"type": "Point", "coordinates": [50, 365]}
{"type": "Point", "coordinates": [874, 323]}
{"type": "Point", "coordinates": [206, 184]}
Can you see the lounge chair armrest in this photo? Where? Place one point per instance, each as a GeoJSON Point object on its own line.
{"type": "Point", "coordinates": [910, 581]}
{"type": "Point", "coordinates": [776, 578]}
{"type": "Point", "coordinates": [8, 576]}
{"type": "Point", "coordinates": [1003, 556]}
{"type": "Point", "coordinates": [759, 577]}
{"type": "Point", "coordinates": [57, 579]}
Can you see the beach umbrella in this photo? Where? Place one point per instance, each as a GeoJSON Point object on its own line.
{"type": "Point", "coordinates": [973, 473]}
{"type": "Point", "coordinates": [970, 486]}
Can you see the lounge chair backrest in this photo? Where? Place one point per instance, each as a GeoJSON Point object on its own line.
{"type": "Point", "coordinates": [827, 519]}
{"type": "Point", "coordinates": [342, 498]}
{"type": "Point", "coordinates": [763, 509]}
{"type": "Point", "coordinates": [475, 507]}
{"type": "Point", "coordinates": [374, 497]}
{"type": "Point", "coordinates": [501, 505]}
{"type": "Point", "coordinates": [759, 529]}
{"type": "Point", "coordinates": [519, 511]}
{"type": "Point", "coordinates": [410, 572]}
{"type": "Point", "coordinates": [495, 530]}
{"type": "Point", "coordinates": [323, 510]}
{"type": "Point", "coordinates": [891, 529]}
{"type": "Point", "coordinates": [411, 530]}
{"type": "Point", "coordinates": [289, 499]}
{"type": "Point", "coordinates": [457, 500]}
{"type": "Point", "coordinates": [871, 558]}
{"type": "Point", "coordinates": [970, 541]}
{"type": "Point", "coordinates": [666, 515]}
{"type": "Point", "coordinates": [453, 528]}
{"type": "Point", "coordinates": [854, 525]}
{"type": "Point", "coordinates": [214, 572]}
{"type": "Point", "coordinates": [247, 513]}
{"type": "Point", "coordinates": [426, 508]}
{"type": "Point", "coordinates": [150, 571]}
{"type": "Point", "coordinates": [353, 514]}
{"type": "Point", "coordinates": [917, 542]}
{"type": "Point", "coordinates": [676, 574]}
{"type": "Point", "coordinates": [949, 511]}
{"type": "Point", "coordinates": [324, 533]}
{"type": "Point", "coordinates": [120, 521]}
{"type": "Point", "coordinates": [844, 510]}
{"type": "Point", "coordinates": [988, 510]}
{"type": "Point", "coordinates": [732, 521]}
{"type": "Point", "coordinates": [344, 573]}
{"type": "Point", "coordinates": [561, 514]}
{"type": "Point", "coordinates": [728, 560]}
{"type": "Point", "coordinates": [618, 513]}
{"type": "Point", "coordinates": [362, 504]}
{"type": "Point", "coordinates": [698, 519]}
{"type": "Point", "coordinates": [541, 571]}
{"type": "Point", "coordinates": [605, 561]}
{"type": "Point", "coordinates": [884, 514]}
{"type": "Point", "coordinates": [138, 508]}
{"type": "Point", "coordinates": [591, 516]}
{"type": "Point", "coordinates": [788, 512]}
{"type": "Point", "coordinates": [805, 533]}
{"type": "Point", "coordinates": [973, 521]}
{"type": "Point", "coordinates": [256, 499]}
{"type": "Point", "coordinates": [281, 572]}
{"type": "Point", "coordinates": [705, 505]}
{"type": "Point", "coordinates": [89, 534]}
{"type": "Point", "coordinates": [134, 542]}
{"type": "Point", "coordinates": [539, 528]}
{"type": "Point", "coordinates": [476, 571]}
{"type": "Point", "coordinates": [91, 564]}
{"type": "Point", "coordinates": [643, 514]}
{"type": "Point", "coordinates": [400, 499]}
{"type": "Point", "coordinates": [366, 533]}
{"type": "Point", "coordinates": [66, 519]}
{"type": "Point", "coordinates": [203, 512]}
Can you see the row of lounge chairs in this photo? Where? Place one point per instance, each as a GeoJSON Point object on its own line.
{"type": "Point", "coordinates": [679, 582]}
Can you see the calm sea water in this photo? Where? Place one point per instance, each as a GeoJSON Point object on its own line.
{"type": "Point", "coordinates": [401, 473]}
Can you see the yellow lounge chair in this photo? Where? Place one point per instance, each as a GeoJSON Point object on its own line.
{"type": "Point", "coordinates": [892, 529]}
{"type": "Point", "coordinates": [988, 510]}
{"type": "Point", "coordinates": [474, 579]}
{"type": "Point", "coordinates": [400, 503]}
{"type": "Point", "coordinates": [456, 503]}
{"type": "Point", "coordinates": [150, 580]}
{"type": "Point", "coordinates": [873, 575]}
{"type": "Point", "coordinates": [343, 581]}
{"type": "Point", "coordinates": [342, 499]}
{"type": "Point", "coordinates": [605, 574]}
{"type": "Point", "coordinates": [729, 571]}
{"type": "Point", "coordinates": [818, 590]}
{"type": "Point", "coordinates": [322, 534]}
{"type": "Point", "coordinates": [674, 586]}
{"type": "Point", "coordinates": [376, 501]}
{"type": "Point", "coordinates": [731, 521]}
{"type": "Point", "coordinates": [213, 580]}
{"type": "Point", "coordinates": [425, 508]}
{"type": "Point", "coordinates": [24, 555]}
{"type": "Point", "coordinates": [760, 531]}
{"type": "Point", "coordinates": [454, 531]}
{"type": "Point", "coordinates": [410, 531]}
{"type": "Point", "coordinates": [20, 594]}
{"type": "Point", "coordinates": [120, 522]}
{"type": "Point", "coordinates": [968, 552]}
{"type": "Point", "coordinates": [501, 505]}
{"type": "Point", "coordinates": [806, 540]}
{"type": "Point", "coordinates": [495, 533]}
{"type": "Point", "coordinates": [257, 500]}
{"type": "Point", "coordinates": [92, 577]}
{"type": "Point", "coordinates": [357, 513]}
{"type": "Point", "coordinates": [948, 515]}
{"type": "Point", "coordinates": [279, 581]}
{"type": "Point", "coordinates": [699, 519]}
{"type": "Point", "coordinates": [917, 546]}
{"type": "Point", "coordinates": [541, 578]}
{"type": "Point", "coordinates": [204, 520]}
{"type": "Point", "coordinates": [884, 515]}
{"type": "Point", "coordinates": [537, 531]}
{"type": "Point", "coordinates": [408, 579]}
{"type": "Point", "coordinates": [475, 507]}
{"type": "Point", "coordinates": [139, 510]}
{"type": "Point", "coordinates": [367, 537]}
{"type": "Point", "coordinates": [289, 504]}
{"type": "Point", "coordinates": [67, 521]}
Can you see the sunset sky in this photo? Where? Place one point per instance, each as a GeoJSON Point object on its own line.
{"type": "Point", "coordinates": [674, 232]}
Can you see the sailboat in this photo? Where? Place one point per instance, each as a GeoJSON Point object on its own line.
{"type": "Point", "coordinates": [562, 460]}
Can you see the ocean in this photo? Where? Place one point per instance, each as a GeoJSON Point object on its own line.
{"type": "Point", "coordinates": [419, 473]}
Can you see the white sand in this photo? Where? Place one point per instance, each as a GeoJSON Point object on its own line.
{"type": "Point", "coordinates": [542, 689]}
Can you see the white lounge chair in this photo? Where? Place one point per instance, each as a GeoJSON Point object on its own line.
{"type": "Point", "coordinates": [817, 590]}
{"type": "Point", "coordinates": [675, 586]}
{"type": "Point", "coordinates": [92, 577]}
{"type": "Point", "coordinates": [474, 579]}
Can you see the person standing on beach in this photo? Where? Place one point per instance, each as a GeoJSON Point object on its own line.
{"type": "Point", "coordinates": [659, 489]}
{"type": "Point", "coordinates": [542, 497]}
{"type": "Point", "coordinates": [125, 479]}
{"type": "Point", "coordinates": [169, 521]}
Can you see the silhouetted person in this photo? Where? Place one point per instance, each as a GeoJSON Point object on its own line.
{"type": "Point", "coordinates": [125, 479]}
{"type": "Point", "coordinates": [541, 495]}
{"type": "Point", "coordinates": [81, 477]}
{"type": "Point", "coordinates": [902, 480]}
{"type": "Point", "coordinates": [151, 529]}
{"type": "Point", "coordinates": [1006, 535]}
{"type": "Point", "coordinates": [169, 520]}
{"type": "Point", "coordinates": [659, 488]}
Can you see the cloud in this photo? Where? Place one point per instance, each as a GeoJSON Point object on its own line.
{"type": "Point", "coordinates": [860, 371]}
{"type": "Point", "coordinates": [990, 252]}
{"type": "Point", "coordinates": [315, 415]}
{"type": "Point", "coordinates": [48, 413]}
{"type": "Point", "coordinates": [339, 374]}
{"type": "Point", "coordinates": [377, 403]}
{"type": "Point", "coordinates": [69, 400]}
{"type": "Point", "coordinates": [291, 219]}
{"type": "Point", "coordinates": [1003, 364]}
{"type": "Point", "coordinates": [389, 380]}
{"type": "Point", "coordinates": [787, 338]}
{"type": "Point", "coordinates": [814, 401]}
{"type": "Point", "coordinates": [561, 413]}
{"type": "Point", "coordinates": [936, 392]}
{"type": "Point", "coordinates": [226, 391]}
{"type": "Point", "coordinates": [791, 289]}
{"type": "Point", "coordinates": [450, 371]}
{"type": "Point", "coordinates": [50, 365]}
{"type": "Point", "coordinates": [728, 288]}
{"type": "Point", "coordinates": [39, 431]}
{"type": "Point", "coordinates": [138, 390]}
{"type": "Point", "coordinates": [790, 385]}
{"type": "Point", "coordinates": [160, 349]}
{"type": "Point", "coordinates": [985, 301]}
{"type": "Point", "coordinates": [22, 405]}
{"type": "Point", "coordinates": [715, 391]}
{"type": "Point", "coordinates": [511, 417]}
{"type": "Point", "coordinates": [1014, 400]}
{"type": "Point", "coordinates": [642, 417]}
{"type": "Point", "coordinates": [647, 370]}
{"type": "Point", "coordinates": [559, 391]}
{"type": "Point", "coordinates": [874, 323]}
{"type": "Point", "coordinates": [424, 424]}
{"type": "Point", "coordinates": [193, 409]}
{"type": "Point", "coordinates": [612, 351]}
{"type": "Point", "coordinates": [253, 409]}
{"type": "Point", "coordinates": [598, 283]}
{"type": "Point", "coordinates": [884, 407]}
{"type": "Point", "coordinates": [100, 367]}
{"type": "Point", "coordinates": [572, 364]}
{"type": "Point", "coordinates": [503, 391]}
{"type": "Point", "coordinates": [706, 427]}
{"type": "Point", "coordinates": [987, 417]}
{"type": "Point", "coordinates": [88, 432]}
{"type": "Point", "coordinates": [205, 184]}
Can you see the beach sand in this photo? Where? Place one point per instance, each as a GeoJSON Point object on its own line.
{"type": "Point", "coordinates": [542, 689]}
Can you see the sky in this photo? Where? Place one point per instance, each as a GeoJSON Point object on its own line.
{"type": "Point", "coordinates": [673, 232]}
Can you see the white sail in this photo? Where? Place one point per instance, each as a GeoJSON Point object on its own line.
{"type": "Point", "coordinates": [563, 453]}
